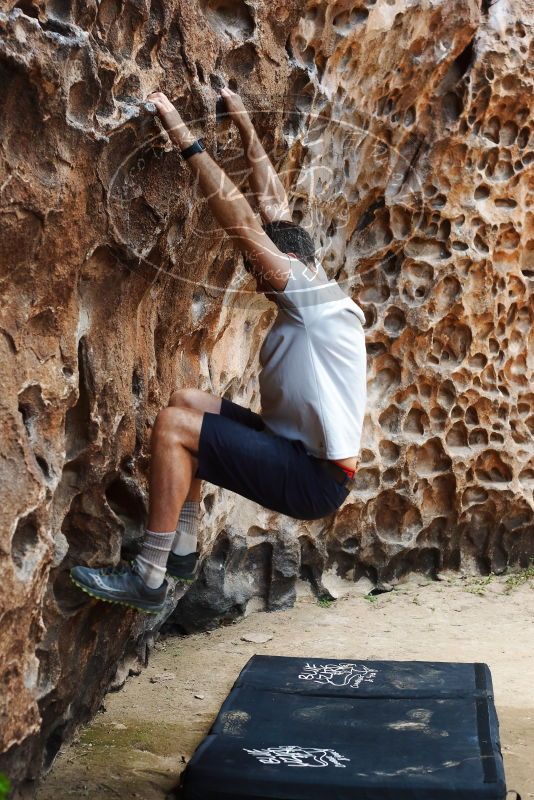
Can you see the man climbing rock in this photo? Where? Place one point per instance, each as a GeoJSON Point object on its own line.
{"type": "Point", "coordinates": [299, 455]}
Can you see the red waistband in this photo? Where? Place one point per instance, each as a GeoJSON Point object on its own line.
{"type": "Point", "coordinates": [350, 472]}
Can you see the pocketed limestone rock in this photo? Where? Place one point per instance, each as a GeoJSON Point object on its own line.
{"type": "Point", "coordinates": [402, 131]}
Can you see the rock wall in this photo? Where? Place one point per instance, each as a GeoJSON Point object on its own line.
{"type": "Point", "coordinates": [402, 131]}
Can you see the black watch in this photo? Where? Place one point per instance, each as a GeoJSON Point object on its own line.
{"type": "Point", "coordinates": [196, 147]}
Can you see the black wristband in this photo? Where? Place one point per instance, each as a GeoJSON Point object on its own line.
{"type": "Point", "coordinates": [196, 147]}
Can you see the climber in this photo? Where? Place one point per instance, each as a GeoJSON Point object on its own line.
{"type": "Point", "coordinates": [299, 455]}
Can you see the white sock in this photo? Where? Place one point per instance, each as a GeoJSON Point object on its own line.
{"type": "Point", "coordinates": [152, 559]}
{"type": "Point", "coordinates": [185, 540]}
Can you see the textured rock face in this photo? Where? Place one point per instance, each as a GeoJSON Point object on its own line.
{"type": "Point", "coordinates": [403, 133]}
{"type": "Point", "coordinates": [429, 166]}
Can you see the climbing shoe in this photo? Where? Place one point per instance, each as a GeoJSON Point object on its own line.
{"type": "Point", "coordinates": [183, 568]}
{"type": "Point", "coordinates": [120, 585]}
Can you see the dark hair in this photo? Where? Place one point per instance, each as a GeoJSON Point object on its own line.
{"type": "Point", "coordinates": [289, 238]}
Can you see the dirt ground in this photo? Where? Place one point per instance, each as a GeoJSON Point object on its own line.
{"type": "Point", "coordinates": [138, 746]}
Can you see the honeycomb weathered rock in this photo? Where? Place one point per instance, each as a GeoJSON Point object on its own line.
{"type": "Point", "coordinates": [423, 113]}
{"type": "Point", "coordinates": [404, 134]}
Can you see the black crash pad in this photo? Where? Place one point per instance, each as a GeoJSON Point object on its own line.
{"type": "Point", "coordinates": [281, 736]}
{"type": "Point", "coordinates": [337, 677]}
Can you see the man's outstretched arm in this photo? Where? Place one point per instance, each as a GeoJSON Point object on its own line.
{"type": "Point", "coordinates": [263, 178]}
{"type": "Point", "coordinates": [228, 205]}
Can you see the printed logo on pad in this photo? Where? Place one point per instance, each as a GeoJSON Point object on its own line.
{"type": "Point", "coordinates": [294, 756]}
{"type": "Point", "coordinates": [348, 674]}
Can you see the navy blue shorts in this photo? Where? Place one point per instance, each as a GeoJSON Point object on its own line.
{"type": "Point", "coordinates": [238, 453]}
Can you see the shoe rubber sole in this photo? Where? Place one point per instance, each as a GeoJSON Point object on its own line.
{"type": "Point", "coordinates": [180, 579]}
{"type": "Point", "coordinates": [94, 593]}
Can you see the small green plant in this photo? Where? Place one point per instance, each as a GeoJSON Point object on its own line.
{"type": "Point", "coordinates": [325, 602]}
{"type": "Point", "coordinates": [5, 786]}
{"type": "Point", "coordinates": [519, 578]}
{"type": "Point", "coordinates": [478, 587]}
{"type": "Point", "coordinates": [371, 598]}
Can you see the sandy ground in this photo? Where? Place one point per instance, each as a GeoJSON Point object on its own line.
{"type": "Point", "coordinates": [138, 746]}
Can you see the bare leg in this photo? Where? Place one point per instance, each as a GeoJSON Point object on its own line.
{"type": "Point", "coordinates": [201, 401]}
{"type": "Point", "coordinates": [175, 438]}
{"type": "Point", "coordinates": [195, 489]}
{"type": "Point", "coordinates": [263, 179]}
{"type": "Point", "coordinates": [175, 442]}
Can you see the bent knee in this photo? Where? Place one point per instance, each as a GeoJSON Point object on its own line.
{"type": "Point", "coordinates": [195, 399]}
{"type": "Point", "coordinates": [182, 398]}
{"type": "Point", "coordinates": [170, 423]}
{"type": "Point", "coordinates": [188, 398]}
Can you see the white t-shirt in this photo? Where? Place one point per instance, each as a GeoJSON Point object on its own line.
{"type": "Point", "coordinates": [313, 376]}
